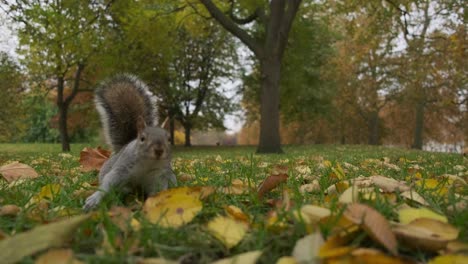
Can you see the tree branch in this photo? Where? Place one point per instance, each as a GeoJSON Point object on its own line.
{"type": "Point", "coordinates": [232, 27]}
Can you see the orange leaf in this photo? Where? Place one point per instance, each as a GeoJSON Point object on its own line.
{"type": "Point", "coordinates": [92, 159]}
{"type": "Point", "coordinates": [375, 225]}
{"type": "Point", "coordinates": [270, 183]}
{"type": "Point", "coordinates": [15, 171]}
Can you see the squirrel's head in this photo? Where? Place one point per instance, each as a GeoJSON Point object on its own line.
{"type": "Point", "coordinates": [153, 142]}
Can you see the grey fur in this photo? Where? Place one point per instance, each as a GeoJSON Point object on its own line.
{"type": "Point", "coordinates": [144, 161]}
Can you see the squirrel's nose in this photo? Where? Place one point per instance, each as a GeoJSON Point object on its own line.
{"type": "Point", "coordinates": [158, 152]}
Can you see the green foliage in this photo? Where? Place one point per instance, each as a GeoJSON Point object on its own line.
{"type": "Point", "coordinates": [40, 112]}
{"type": "Point", "coordinates": [11, 92]}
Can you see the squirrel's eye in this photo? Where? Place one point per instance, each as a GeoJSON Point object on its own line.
{"type": "Point", "coordinates": [142, 138]}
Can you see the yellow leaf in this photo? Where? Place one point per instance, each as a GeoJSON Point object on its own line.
{"type": "Point", "coordinates": [433, 184]}
{"type": "Point", "coordinates": [49, 191]}
{"type": "Point", "coordinates": [229, 231]}
{"type": "Point", "coordinates": [13, 249]}
{"type": "Point", "coordinates": [174, 207]}
{"type": "Point", "coordinates": [335, 252]}
{"type": "Point", "coordinates": [407, 215]}
{"type": "Point", "coordinates": [449, 259]}
{"type": "Point", "coordinates": [244, 258]}
{"type": "Point", "coordinates": [371, 256]}
{"type": "Point", "coordinates": [236, 213]}
{"type": "Point", "coordinates": [426, 234]}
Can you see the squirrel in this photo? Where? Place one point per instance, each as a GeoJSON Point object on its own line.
{"type": "Point", "coordinates": [141, 158]}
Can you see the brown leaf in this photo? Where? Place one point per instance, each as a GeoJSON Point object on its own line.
{"type": "Point", "coordinates": [15, 248]}
{"type": "Point", "coordinates": [375, 225]}
{"type": "Point", "coordinates": [15, 171]}
{"type": "Point", "coordinates": [270, 183]}
{"type": "Point", "coordinates": [9, 210]}
{"type": "Point", "coordinates": [93, 158]}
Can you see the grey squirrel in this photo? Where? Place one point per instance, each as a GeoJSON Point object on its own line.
{"type": "Point", "coordinates": [141, 156]}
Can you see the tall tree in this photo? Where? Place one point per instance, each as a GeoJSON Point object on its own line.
{"type": "Point", "coordinates": [273, 21]}
{"type": "Point", "coordinates": [56, 40]}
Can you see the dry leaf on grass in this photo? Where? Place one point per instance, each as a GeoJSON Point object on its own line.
{"type": "Point", "coordinates": [9, 210]}
{"type": "Point", "coordinates": [426, 234]}
{"type": "Point", "coordinates": [314, 186]}
{"type": "Point", "coordinates": [57, 256]}
{"type": "Point", "coordinates": [238, 187]}
{"type": "Point", "coordinates": [414, 197]}
{"type": "Point", "coordinates": [371, 256]}
{"type": "Point", "coordinates": [15, 171]}
{"type": "Point", "coordinates": [388, 184]}
{"type": "Point", "coordinates": [375, 225]}
{"type": "Point", "coordinates": [93, 158]}
{"type": "Point", "coordinates": [313, 213]}
{"type": "Point", "coordinates": [286, 260]}
{"type": "Point", "coordinates": [174, 207]}
{"type": "Point", "coordinates": [13, 249]}
{"type": "Point", "coordinates": [270, 183]}
{"type": "Point", "coordinates": [307, 248]}
{"type": "Point", "coordinates": [47, 193]}
{"type": "Point", "coordinates": [236, 213]}
{"type": "Point", "coordinates": [244, 258]}
{"type": "Point", "coordinates": [229, 231]}
{"type": "Point", "coordinates": [156, 261]}
{"type": "Point", "coordinates": [407, 215]}
{"type": "Point", "coordinates": [449, 259]}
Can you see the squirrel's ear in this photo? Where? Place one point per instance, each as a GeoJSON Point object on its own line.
{"type": "Point", "coordinates": [141, 124]}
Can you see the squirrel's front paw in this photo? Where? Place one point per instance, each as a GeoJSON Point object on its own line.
{"type": "Point", "coordinates": [93, 201]}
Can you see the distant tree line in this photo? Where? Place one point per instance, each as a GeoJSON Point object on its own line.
{"type": "Point", "coordinates": [351, 72]}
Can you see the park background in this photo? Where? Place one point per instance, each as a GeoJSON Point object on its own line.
{"type": "Point", "coordinates": [350, 72]}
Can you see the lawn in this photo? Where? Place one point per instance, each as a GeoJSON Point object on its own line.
{"type": "Point", "coordinates": [274, 224]}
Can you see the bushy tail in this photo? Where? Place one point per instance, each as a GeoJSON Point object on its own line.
{"type": "Point", "coordinates": [119, 101]}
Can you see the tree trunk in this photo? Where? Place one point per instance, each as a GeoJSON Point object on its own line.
{"type": "Point", "coordinates": [419, 127]}
{"type": "Point", "coordinates": [188, 128]}
{"type": "Point", "coordinates": [62, 120]}
{"type": "Point", "coordinates": [270, 141]}
{"type": "Point", "coordinates": [374, 122]}
{"type": "Point", "coordinates": [171, 130]}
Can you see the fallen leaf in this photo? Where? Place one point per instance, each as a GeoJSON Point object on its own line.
{"type": "Point", "coordinates": [156, 261]}
{"type": "Point", "coordinates": [426, 234]}
{"type": "Point", "coordinates": [270, 183]}
{"type": "Point", "coordinates": [286, 260]}
{"type": "Point", "coordinates": [14, 248]}
{"type": "Point", "coordinates": [351, 195]}
{"type": "Point", "coordinates": [229, 231]}
{"type": "Point", "coordinates": [313, 213]}
{"type": "Point", "coordinates": [371, 256]}
{"type": "Point", "coordinates": [389, 184]}
{"type": "Point", "coordinates": [48, 192]}
{"type": "Point", "coordinates": [185, 177]}
{"type": "Point", "coordinates": [375, 225]}
{"type": "Point", "coordinates": [314, 186]}
{"type": "Point", "coordinates": [238, 187]}
{"type": "Point", "coordinates": [244, 258]}
{"type": "Point", "coordinates": [93, 158]}
{"type": "Point", "coordinates": [174, 207]}
{"type": "Point", "coordinates": [449, 259]}
{"type": "Point", "coordinates": [307, 248]}
{"type": "Point", "coordinates": [236, 213]}
{"type": "Point", "coordinates": [15, 171]}
{"type": "Point", "coordinates": [414, 196]}
{"type": "Point", "coordinates": [407, 215]}
{"type": "Point", "coordinates": [57, 256]}
{"type": "Point", "coordinates": [9, 210]}
{"type": "Point", "coordinates": [457, 247]}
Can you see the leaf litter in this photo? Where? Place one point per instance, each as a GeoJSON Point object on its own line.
{"type": "Point", "coordinates": [348, 210]}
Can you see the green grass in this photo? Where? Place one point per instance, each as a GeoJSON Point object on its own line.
{"type": "Point", "coordinates": [217, 166]}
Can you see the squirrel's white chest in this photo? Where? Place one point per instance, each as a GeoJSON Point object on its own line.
{"type": "Point", "coordinates": [146, 174]}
